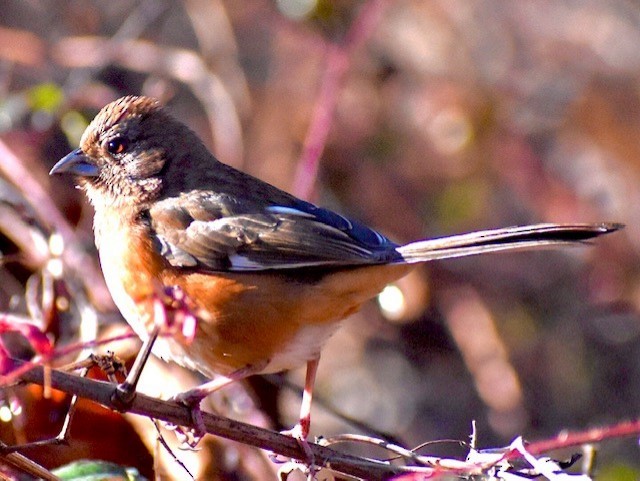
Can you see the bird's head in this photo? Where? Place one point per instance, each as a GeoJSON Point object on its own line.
{"type": "Point", "coordinates": [123, 152]}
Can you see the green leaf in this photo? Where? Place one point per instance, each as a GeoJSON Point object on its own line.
{"type": "Point", "coordinates": [91, 470]}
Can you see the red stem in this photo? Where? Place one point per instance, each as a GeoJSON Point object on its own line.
{"type": "Point", "coordinates": [337, 64]}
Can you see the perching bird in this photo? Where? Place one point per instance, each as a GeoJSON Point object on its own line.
{"type": "Point", "coordinates": [269, 277]}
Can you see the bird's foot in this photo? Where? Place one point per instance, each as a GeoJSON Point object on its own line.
{"type": "Point", "coordinates": [306, 466]}
{"type": "Point", "coordinates": [300, 432]}
{"type": "Point", "coordinates": [189, 437]}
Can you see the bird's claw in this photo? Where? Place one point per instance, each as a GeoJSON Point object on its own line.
{"type": "Point", "coordinates": [188, 438]}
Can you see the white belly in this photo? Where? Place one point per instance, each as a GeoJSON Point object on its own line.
{"type": "Point", "coordinates": [306, 345]}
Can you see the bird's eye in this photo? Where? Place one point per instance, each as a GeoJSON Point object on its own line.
{"type": "Point", "coordinates": [116, 146]}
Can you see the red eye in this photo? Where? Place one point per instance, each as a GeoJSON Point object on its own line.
{"type": "Point", "coordinates": [116, 146]}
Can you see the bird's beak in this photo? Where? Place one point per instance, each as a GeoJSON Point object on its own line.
{"type": "Point", "coordinates": [77, 163]}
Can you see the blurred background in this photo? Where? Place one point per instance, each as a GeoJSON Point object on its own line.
{"type": "Point", "coordinates": [432, 118]}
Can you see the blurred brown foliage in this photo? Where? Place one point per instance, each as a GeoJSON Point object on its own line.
{"type": "Point", "coordinates": [451, 116]}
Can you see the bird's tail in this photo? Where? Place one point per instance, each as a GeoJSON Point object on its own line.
{"type": "Point", "coordinates": [509, 238]}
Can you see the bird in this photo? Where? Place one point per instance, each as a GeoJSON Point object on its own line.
{"type": "Point", "coordinates": [268, 277]}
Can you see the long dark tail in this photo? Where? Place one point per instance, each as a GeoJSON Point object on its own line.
{"type": "Point", "coordinates": [509, 238]}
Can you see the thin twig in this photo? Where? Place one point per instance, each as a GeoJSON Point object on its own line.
{"type": "Point", "coordinates": [25, 465]}
{"type": "Point", "coordinates": [63, 435]}
{"type": "Point", "coordinates": [568, 439]}
{"type": "Point", "coordinates": [167, 448]}
{"type": "Point", "coordinates": [13, 376]}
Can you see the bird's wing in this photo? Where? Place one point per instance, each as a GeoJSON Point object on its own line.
{"type": "Point", "coordinates": [220, 232]}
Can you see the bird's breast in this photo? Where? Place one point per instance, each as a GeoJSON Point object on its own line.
{"type": "Point", "coordinates": [130, 268]}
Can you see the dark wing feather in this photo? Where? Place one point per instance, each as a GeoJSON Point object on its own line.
{"type": "Point", "coordinates": [218, 232]}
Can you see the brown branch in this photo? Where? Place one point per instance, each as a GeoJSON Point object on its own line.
{"type": "Point", "coordinates": [174, 413]}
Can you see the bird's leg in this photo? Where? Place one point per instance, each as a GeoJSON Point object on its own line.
{"type": "Point", "coordinates": [301, 430]}
{"type": "Point", "coordinates": [193, 397]}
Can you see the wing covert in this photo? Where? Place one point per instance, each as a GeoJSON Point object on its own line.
{"type": "Point", "coordinates": [217, 232]}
